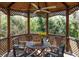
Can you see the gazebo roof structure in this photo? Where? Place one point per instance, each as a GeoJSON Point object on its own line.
{"type": "Point", "coordinates": [54, 8]}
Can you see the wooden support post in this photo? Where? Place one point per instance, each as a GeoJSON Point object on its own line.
{"type": "Point", "coordinates": [25, 26]}
{"type": "Point", "coordinates": [47, 25]}
{"type": "Point", "coordinates": [0, 30]}
{"type": "Point", "coordinates": [8, 30]}
{"type": "Point", "coordinates": [0, 25]}
{"type": "Point", "coordinates": [67, 30]}
{"type": "Point", "coordinates": [28, 22]}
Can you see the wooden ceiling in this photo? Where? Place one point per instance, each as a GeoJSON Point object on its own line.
{"type": "Point", "coordinates": [26, 6]}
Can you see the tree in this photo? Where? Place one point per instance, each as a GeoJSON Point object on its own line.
{"type": "Point", "coordinates": [41, 25]}
{"type": "Point", "coordinates": [56, 25]}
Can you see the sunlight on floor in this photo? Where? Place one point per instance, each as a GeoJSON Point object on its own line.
{"type": "Point", "coordinates": [67, 55]}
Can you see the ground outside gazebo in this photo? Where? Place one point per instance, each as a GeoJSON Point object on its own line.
{"type": "Point", "coordinates": [37, 41]}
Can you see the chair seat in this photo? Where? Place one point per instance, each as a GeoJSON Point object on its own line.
{"type": "Point", "coordinates": [58, 52]}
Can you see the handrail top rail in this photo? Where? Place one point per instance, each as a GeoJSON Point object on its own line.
{"type": "Point", "coordinates": [32, 34]}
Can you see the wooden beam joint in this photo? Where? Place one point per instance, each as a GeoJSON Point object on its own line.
{"type": "Point", "coordinates": [11, 4]}
{"type": "Point", "coordinates": [65, 4]}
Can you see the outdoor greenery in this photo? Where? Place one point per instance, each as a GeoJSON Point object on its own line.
{"type": "Point", "coordinates": [37, 24]}
{"type": "Point", "coordinates": [18, 25]}
{"type": "Point", "coordinates": [56, 25]}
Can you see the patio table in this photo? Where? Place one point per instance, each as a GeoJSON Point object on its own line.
{"type": "Point", "coordinates": [38, 47]}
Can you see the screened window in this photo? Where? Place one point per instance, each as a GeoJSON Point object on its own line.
{"type": "Point", "coordinates": [3, 25]}
{"type": "Point", "coordinates": [74, 24]}
{"type": "Point", "coordinates": [18, 25]}
{"type": "Point", "coordinates": [57, 25]}
{"type": "Point", "coordinates": [37, 24]}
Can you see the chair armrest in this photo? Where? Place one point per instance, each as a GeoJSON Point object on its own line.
{"type": "Point", "coordinates": [22, 42]}
{"type": "Point", "coordinates": [54, 47]}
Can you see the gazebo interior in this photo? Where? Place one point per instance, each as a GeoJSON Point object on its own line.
{"type": "Point", "coordinates": [41, 43]}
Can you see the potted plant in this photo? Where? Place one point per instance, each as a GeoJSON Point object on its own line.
{"type": "Point", "coordinates": [42, 35]}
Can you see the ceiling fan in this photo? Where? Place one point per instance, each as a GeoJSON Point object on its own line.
{"type": "Point", "coordinates": [41, 9]}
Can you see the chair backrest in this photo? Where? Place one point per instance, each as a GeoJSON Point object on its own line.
{"type": "Point", "coordinates": [29, 37]}
{"type": "Point", "coordinates": [52, 40]}
{"type": "Point", "coordinates": [61, 49]}
{"type": "Point", "coordinates": [15, 40]}
{"type": "Point", "coordinates": [37, 39]}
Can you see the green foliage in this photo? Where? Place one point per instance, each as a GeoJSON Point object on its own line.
{"type": "Point", "coordinates": [37, 24]}
{"type": "Point", "coordinates": [3, 24]}
{"type": "Point", "coordinates": [73, 28]}
{"type": "Point", "coordinates": [56, 25]}
{"type": "Point", "coordinates": [17, 25]}
{"type": "Point", "coordinates": [34, 24]}
{"type": "Point", "coordinates": [41, 24]}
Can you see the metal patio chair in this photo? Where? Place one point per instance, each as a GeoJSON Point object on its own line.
{"type": "Point", "coordinates": [58, 52]}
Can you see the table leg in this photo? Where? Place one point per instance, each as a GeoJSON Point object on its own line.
{"type": "Point", "coordinates": [14, 52]}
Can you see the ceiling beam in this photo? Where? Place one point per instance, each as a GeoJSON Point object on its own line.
{"type": "Point", "coordinates": [46, 6]}
{"type": "Point", "coordinates": [65, 4]}
{"type": "Point", "coordinates": [73, 7]}
{"type": "Point", "coordinates": [78, 3]}
{"type": "Point", "coordinates": [11, 4]}
{"type": "Point", "coordinates": [29, 6]}
{"type": "Point", "coordinates": [38, 5]}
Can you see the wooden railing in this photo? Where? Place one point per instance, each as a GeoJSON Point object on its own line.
{"type": "Point", "coordinates": [3, 44]}
{"type": "Point", "coordinates": [54, 40]}
{"type": "Point", "coordinates": [74, 44]}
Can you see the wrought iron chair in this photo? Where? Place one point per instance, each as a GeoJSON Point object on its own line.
{"type": "Point", "coordinates": [58, 52]}
{"type": "Point", "coordinates": [17, 45]}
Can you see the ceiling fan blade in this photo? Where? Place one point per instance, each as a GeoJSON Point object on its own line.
{"type": "Point", "coordinates": [34, 5]}
{"type": "Point", "coordinates": [50, 7]}
{"type": "Point", "coordinates": [36, 11]}
{"type": "Point", "coordinates": [45, 11]}
{"type": "Point", "coordinates": [42, 11]}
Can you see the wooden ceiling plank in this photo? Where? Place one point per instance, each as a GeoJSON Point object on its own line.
{"type": "Point", "coordinates": [65, 4]}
